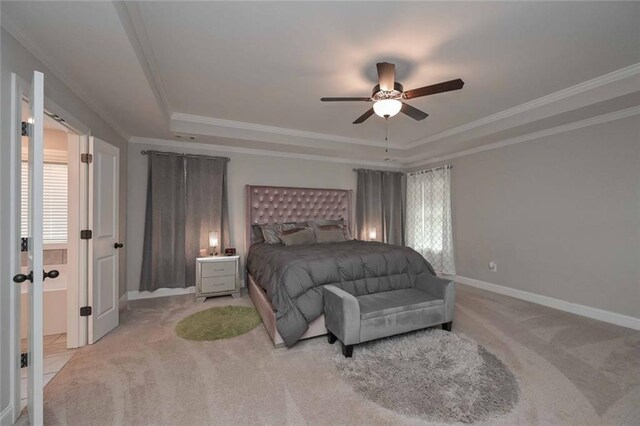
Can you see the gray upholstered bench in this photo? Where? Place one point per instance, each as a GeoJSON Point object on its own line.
{"type": "Point", "coordinates": [357, 319]}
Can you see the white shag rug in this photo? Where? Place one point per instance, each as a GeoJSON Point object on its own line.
{"type": "Point", "coordinates": [432, 374]}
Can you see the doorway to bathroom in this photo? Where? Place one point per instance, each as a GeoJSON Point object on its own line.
{"type": "Point", "coordinates": [61, 210]}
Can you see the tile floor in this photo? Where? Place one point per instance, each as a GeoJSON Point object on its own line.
{"type": "Point", "coordinates": [56, 356]}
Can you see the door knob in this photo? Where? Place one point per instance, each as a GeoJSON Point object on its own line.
{"type": "Point", "coordinates": [20, 278]}
{"type": "Point", "coordinates": [118, 245]}
{"type": "Point", "coordinates": [51, 274]}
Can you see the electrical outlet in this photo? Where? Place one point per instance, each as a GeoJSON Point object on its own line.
{"type": "Point", "coordinates": [493, 266]}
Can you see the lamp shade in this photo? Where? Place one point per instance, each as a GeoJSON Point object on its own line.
{"type": "Point", "coordinates": [372, 234]}
{"type": "Point", "coordinates": [387, 107]}
{"type": "Point", "coordinates": [213, 239]}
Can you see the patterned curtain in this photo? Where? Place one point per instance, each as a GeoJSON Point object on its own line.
{"type": "Point", "coordinates": [428, 222]}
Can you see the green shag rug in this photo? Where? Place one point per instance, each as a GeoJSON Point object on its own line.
{"type": "Point", "coordinates": [218, 323]}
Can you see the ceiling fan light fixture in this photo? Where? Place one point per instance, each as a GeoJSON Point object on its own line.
{"type": "Point", "coordinates": [387, 107]}
{"type": "Point", "coordinates": [388, 93]}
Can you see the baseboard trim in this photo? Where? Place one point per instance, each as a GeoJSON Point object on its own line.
{"type": "Point", "coordinates": [161, 292]}
{"type": "Point", "coordinates": [551, 302]}
{"type": "Point", "coordinates": [6, 417]}
{"type": "Point", "coordinates": [122, 302]}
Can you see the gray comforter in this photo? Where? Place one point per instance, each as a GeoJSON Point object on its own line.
{"type": "Point", "coordinates": [293, 276]}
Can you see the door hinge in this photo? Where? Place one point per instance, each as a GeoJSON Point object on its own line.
{"type": "Point", "coordinates": [25, 128]}
{"type": "Point", "coordinates": [86, 234]}
{"type": "Point", "coordinates": [85, 311]}
{"type": "Point", "coordinates": [24, 360]}
{"type": "Point", "coordinates": [86, 158]}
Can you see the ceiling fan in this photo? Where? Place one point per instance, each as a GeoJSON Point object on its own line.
{"type": "Point", "coordinates": [388, 93]}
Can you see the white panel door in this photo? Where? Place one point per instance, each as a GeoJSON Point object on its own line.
{"type": "Point", "coordinates": [36, 273]}
{"type": "Point", "coordinates": [104, 197]}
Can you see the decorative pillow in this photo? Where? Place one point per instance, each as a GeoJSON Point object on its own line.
{"type": "Point", "coordinates": [291, 231]}
{"type": "Point", "coordinates": [271, 233]}
{"type": "Point", "coordinates": [257, 236]}
{"type": "Point", "coordinates": [298, 236]}
{"type": "Point", "coordinates": [323, 223]}
{"type": "Point", "coordinates": [329, 234]}
{"type": "Point", "coordinates": [329, 227]}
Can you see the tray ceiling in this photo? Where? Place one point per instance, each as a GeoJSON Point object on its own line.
{"type": "Point", "coordinates": [255, 71]}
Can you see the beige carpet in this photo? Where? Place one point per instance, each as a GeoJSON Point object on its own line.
{"type": "Point", "coordinates": [571, 370]}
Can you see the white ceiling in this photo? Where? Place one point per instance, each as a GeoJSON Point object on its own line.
{"type": "Point", "coordinates": [265, 65]}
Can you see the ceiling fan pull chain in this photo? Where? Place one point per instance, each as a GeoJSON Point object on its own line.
{"type": "Point", "coordinates": [386, 133]}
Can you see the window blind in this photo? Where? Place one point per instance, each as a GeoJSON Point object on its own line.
{"type": "Point", "coordinates": [55, 205]}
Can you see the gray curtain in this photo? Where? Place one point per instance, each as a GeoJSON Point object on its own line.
{"type": "Point", "coordinates": [163, 256]}
{"type": "Point", "coordinates": [380, 205]}
{"type": "Point", "coordinates": [206, 208]}
{"type": "Point", "coordinates": [186, 199]}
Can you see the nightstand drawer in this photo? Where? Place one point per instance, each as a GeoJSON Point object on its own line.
{"type": "Point", "coordinates": [218, 269]}
{"type": "Point", "coordinates": [216, 284]}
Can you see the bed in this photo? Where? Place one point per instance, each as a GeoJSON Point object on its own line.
{"type": "Point", "coordinates": [286, 282]}
{"type": "Point", "coordinates": [278, 204]}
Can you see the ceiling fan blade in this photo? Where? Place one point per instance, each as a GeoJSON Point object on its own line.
{"type": "Point", "coordinates": [345, 99]}
{"type": "Point", "coordinates": [364, 116]}
{"type": "Point", "coordinates": [386, 75]}
{"type": "Point", "coordinates": [446, 86]}
{"type": "Point", "coordinates": [414, 113]}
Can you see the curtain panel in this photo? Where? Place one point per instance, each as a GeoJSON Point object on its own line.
{"type": "Point", "coordinates": [429, 230]}
{"type": "Point", "coordinates": [186, 199]}
{"type": "Point", "coordinates": [163, 255]}
{"type": "Point", "coordinates": [380, 206]}
{"type": "Point", "coordinates": [206, 208]}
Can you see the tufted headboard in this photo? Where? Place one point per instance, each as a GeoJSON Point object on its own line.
{"type": "Point", "coordinates": [280, 204]}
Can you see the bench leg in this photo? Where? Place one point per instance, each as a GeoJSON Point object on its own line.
{"type": "Point", "coordinates": [447, 326]}
{"type": "Point", "coordinates": [331, 337]}
{"type": "Point", "coordinates": [347, 350]}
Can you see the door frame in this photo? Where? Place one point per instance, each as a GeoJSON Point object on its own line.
{"type": "Point", "coordinates": [77, 329]}
{"type": "Point", "coordinates": [18, 91]}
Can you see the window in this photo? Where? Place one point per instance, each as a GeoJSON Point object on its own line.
{"type": "Point", "coordinates": [55, 202]}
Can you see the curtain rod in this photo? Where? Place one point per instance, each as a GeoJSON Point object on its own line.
{"type": "Point", "coordinates": [448, 166]}
{"type": "Point", "coordinates": [371, 170]}
{"type": "Point", "coordinates": [143, 152]}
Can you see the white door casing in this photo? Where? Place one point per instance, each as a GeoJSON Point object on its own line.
{"type": "Point", "coordinates": [17, 92]}
{"type": "Point", "coordinates": [36, 267]}
{"type": "Point", "coordinates": [104, 172]}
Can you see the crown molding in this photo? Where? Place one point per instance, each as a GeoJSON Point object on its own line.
{"type": "Point", "coordinates": [261, 152]}
{"type": "Point", "coordinates": [605, 118]}
{"type": "Point", "coordinates": [197, 124]}
{"type": "Point", "coordinates": [603, 80]}
{"type": "Point", "coordinates": [133, 25]}
{"type": "Point", "coordinates": [212, 126]}
{"type": "Point", "coordinates": [402, 164]}
{"type": "Point", "coordinates": [8, 24]}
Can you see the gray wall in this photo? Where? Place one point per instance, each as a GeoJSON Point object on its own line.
{"type": "Point", "coordinates": [15, 58]}
{"type": "Point", "coordinates": [559, 215]}
{"type": "Point", "coordinates": [243, 169]}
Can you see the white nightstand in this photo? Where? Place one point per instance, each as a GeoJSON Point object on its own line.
{"type": "Point", "coordinates": [217, 276]}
